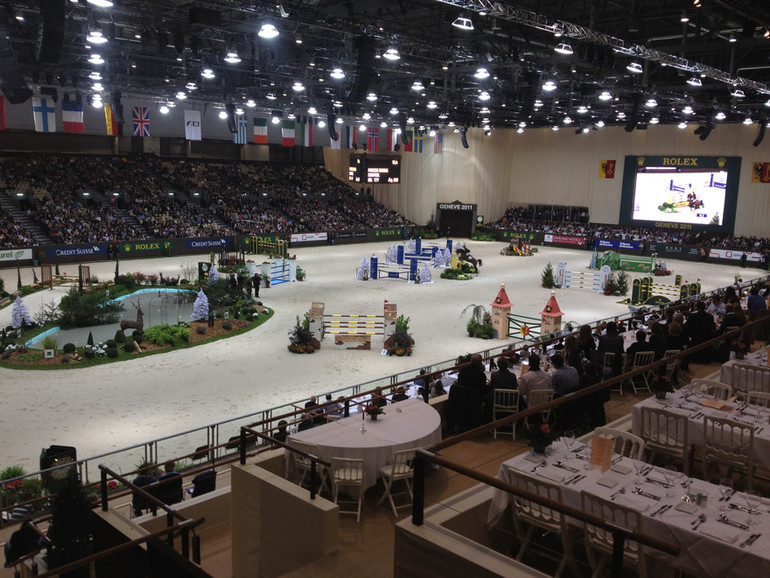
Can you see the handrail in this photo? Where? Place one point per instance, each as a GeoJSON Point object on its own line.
{"type": "Point", "coordinates": [619, 533]}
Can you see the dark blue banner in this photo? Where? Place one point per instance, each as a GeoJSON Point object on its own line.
{"type": "Point", "coordinates": [76, 251]}
{"type": "Point", "coordinates": [208, 243]}
{"type": "Point", "coordinates": [611, 244]}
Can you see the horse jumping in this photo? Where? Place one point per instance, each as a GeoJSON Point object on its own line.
{"type": "Point", "coordinates": [138, 324]}
{"type": "Point", "coordinates": [463, 254]}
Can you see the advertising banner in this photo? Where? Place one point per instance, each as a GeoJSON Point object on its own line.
{"type": "Point", "coordinates": [734, 255]}
{"type": "Point", "coordinates": [506, 235]}
{"type": "Point", "coordinates": [564, 239]}
{"type": "Point", "coordinates": [143, 246]}
{"type": "Point", "coordinates": [13, 254]}
{"type": "Point", "coordinates": [76, 251]}
{"type": "Point", "coordinates": [612, 244]}
{"type": "Point", "coordinates": [350, 235]}
{"type": "Point", "coordinates": [674, 249]}
{"type": "Point", "coordinates": [396, 232]}
{"type": "Point", "coordinates": [208, 243]}
{"type": "Point", "coordinates": [307, 237]}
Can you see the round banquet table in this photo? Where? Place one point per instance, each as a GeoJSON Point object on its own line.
{"type": "Point", "coordinates": [407, 424]}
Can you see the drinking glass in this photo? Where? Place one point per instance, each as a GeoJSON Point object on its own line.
{"type": "Point", "coordinates": [639, 466]}
{"type": "Point", "coordinates": [671, 474]}
{"type": "Point", "coordinates": [569, 438]}
{"type": "Point", "coordinates": [726, 488]}
{"type": "Point", "coordinates": [753, 501]}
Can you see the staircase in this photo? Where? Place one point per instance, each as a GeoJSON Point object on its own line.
{"type": "Point", "coordinates": [125, 214]}
{"type": "Point", "coordinates": [39, 236]}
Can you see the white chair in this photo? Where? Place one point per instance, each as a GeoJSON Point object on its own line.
{"type": "Point", "coordinates": [529, 515]}
{"type": "Point", "coordinates": [718, 389]}
{"type": "Point", "coordinates": [608, 362]}
{"type": "Point", "coordinates": [666, 433]}
{"type": "Point", "coordinates": [758, 399]}
{"type": "Point", "coordinates": [348, 472]}
{"type": "Point", "coordinates": [505, 402]}
{"type": "Point", "coordinates": [538, 397]}
{"type": "Point", "coordinates": [302, 465]}
{"type": "Point", "coordinates": [625, 443]}
{"type": "Point", "coordinates": [673, 374]}
{"type": "Point", "coordinates": [400, 470]}
{"type": "Point", "coordinates": [748, 377]}
{"type": "Point", "coordinates": [601, 541]}
{"type": "Point", "coordinates": [642, 381]}
{"type": "Point", "coordinates": [728, 443]}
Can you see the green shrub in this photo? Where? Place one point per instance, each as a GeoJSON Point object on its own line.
{"type": "Point", "coordinates": [85, 309]}
{"type": "Point", "coordinates": [69, 348]}
{"type": "Point", "coordinates": [138, 335]}
{"type": "Point", "coordinates": [111, 352]}
{"type": "Point", "coordinates": [200, 329]}
{"type": "Point", "coordinates": [227, 326]}
{"type": "Point", "coordinates": [129, 346]}
{"type": "Point", "coordinates": [50, 342]}
{"type": "Point", "coordinates": [219, 315]}
{"type": "Point", "coordinates": [26, 290]}
{"type": "Point", "coordinates": [89, 353]}
{"type": "Point", "coordinates": [127, 280]}
{"type": "Point", "coordinates": [120, 337]}
{"type": "Point", "coordinates": [30, 357]}
{"type": "Point", "coordinates": [111, 343]}
{"type": "Point", "coordinates": [12, 472]}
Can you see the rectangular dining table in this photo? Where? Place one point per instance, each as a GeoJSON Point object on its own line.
{"type": "Point", "coordinates": [405, 425]}
{"type": "Point", "coordinates": [676, 402]}
{"type": "Point", "coordinates": [711, 549]}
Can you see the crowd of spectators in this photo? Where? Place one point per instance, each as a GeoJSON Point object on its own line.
{"type": "Point", "coordinates": [13, 234]}
{"type": "Point", "coordinates": [80, 199]}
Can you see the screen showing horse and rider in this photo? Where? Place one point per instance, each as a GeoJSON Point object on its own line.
{"type": "Point", "coordinates": [695, 197]}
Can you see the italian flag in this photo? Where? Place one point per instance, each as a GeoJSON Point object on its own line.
{"type": "Point", "coordinates": [287, 133]}
{"type": "Point", "coordinates": [306, 133]}
{"type": "Point", "coordinates": [260, 130]}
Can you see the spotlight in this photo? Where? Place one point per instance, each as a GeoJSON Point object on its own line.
{"type": "Point", "coordinates": [391, 54]}
{"type": "Point", "coordinates": [463, 23]}
{"type": "Point", "coordinates": [232, 57]}
{"type": "Point", "coordinates": [634, 67]}
{"type": "Point", "coordinates": [549, 85]}
{"type": "Point", "coordinates": [268, 31]}
{"type": "Point", "coordinates": [694, 81]}
{"type": "Point", "coordinates": [564, 48]}
{"type": "Point", "coordinates": [481, 73]}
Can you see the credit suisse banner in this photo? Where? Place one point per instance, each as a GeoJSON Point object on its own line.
{"type": "Point", "coordinates": [730, 254]}
{"type": "Point", "coordinates": [307, 237]}
{"type": "Point", "coordinates": [612, 244]}
{"type": "Point", "coordinates": [76, 251]}
{"type": "Point", "coordinates": [13, 254]}
{"type": "Point", "coordinates": [208, 243]}
{"type": "Point", "coordinates": [564, 239]}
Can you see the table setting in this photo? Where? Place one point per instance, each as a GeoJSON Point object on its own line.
{"type": "Point", "coordinates": [720, 531]}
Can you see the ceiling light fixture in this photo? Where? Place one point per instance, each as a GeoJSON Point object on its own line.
{"type": "Point", "coordinates": [270, 96]}
{"type": "Point", "coordinates": [338, 120]}
{"type": "Point", "coordinates": [538, 103]}
{"type": "Point", "coordinates": [95, 59]}
{"type": "Point", "coordinates": [394, 111]}
{"type": "Point", "coordinates": [97, 101]}
{"type": "Point", "coordinates": [268, 31]}
{"type": "Point", "coordinates": [97, 86]}
{"type": "Point", "coordinates": [549, 85]}
{"type": "Point", "coordinates": [410, 120]}
{"type": "Point", "coordinates": [392, 54]}
{"type": "Point", "coordinates": [651, 103]}
{"type": "Point", "coordinates": [181, 95]}
{"type": "Point", "coordinates": [100, 3]}
{"type": "Point", "coordinates": [682, 125]}
{"type": "Point", "coordinates": [163, 109]}
{"type": "Point", "coordinates": [599, 124]}
{"type": "Point", "coordinates": [567, 120]}
{"type": "Point", "coordinates": [732, 38]}
{"type": "Point", "coordinates": [520, 130]}
{"type": "Point", "coordinates": [720, 115]}
{"type": "Point", "coordinates": [582, 109]}
{"type": "Point", "coordinates": [748, 120]}
{"type": "Point", "coordinates": [564, 48]}
{"type": "Point", "coordinates": [767, 103]}
{"type": "Point", "coordinates": [484, 96]}
{"type": "Point", "coordinates": [298, 86]}
{"type": "Point", "coordinates": [688, 110]}
{"type": "Point", "coordinates": [463, 23]}
{"type": "Point", "coordinates": [558, 30]}
{"type": "Point", "coordinates": [95, 75]}
{"type": "Point", "coordinates": [208, 73]}
{"type": "Point", "coordinates": [337, 73]}
{"type": "Point", "coordinates": [694, 81]}
{"type": "Point", "coordinates": [654, 120]}
{"type": "Point", "coordinates": [634, 67]}
{"type": "Point", "coordinates": [383, 124]}
{"type": "Point", "coordinates": [96, 37]}
{"type": "Point", "coordinates": [605, 95]}
{"type": "Point", "coordinates": [738, 93]}
{"type": "Point", "coordinates": [684, 18]}
{"type": "Point", "coordinates": [232, 57]}
{"type": "Point", "coordinates": [191, 86]}
{"type": "Point", "coordinates": [432, 104]}
{"type": "Point", "coordinates": [371, 97]}
{"type": "Point", "coordinates": [481, 73]}
{"type": "Point", "coordinates": [312, 110]}
{"type": "Point", "coordinates": [362, 127]}
{"type": "Point", "coordinates": [417, 85]}
{"type": "Point", "coordinates": [251, 103]}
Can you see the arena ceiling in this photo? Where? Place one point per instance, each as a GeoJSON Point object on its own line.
{"type": "Point", "coordinates": [635, 51]}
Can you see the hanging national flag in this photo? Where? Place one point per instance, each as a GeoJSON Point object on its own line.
{"type": "Point", "coordinates": [260, 130]}
{"type": "Point", "coordinates": [242, 123]}
{"type": "Point", "coordinates": [45, 115]}
{"type": "Point", "coordinates": [192, 124]}
{"type": "Point", "coordinates": [373, 139]}
{"type": "Point", "coordinates": [2, 112]}
{"type": "Point", "coordinates": [606, 169]}
{"type": "Point", "coordinates": [141, 116]}
{"type": "Point", "coordinates": [350, 136]}
{"type": "Point", "coordinates": [392, 138]}
{"type": "Point", "coordinates": [306, 133]}
{"type": "Point", "coordinates": [409, 143]}
{"type": "Point", "coordinates": [288, 133]}
{"type": "Point", "coordinates": [438, 143]}
{"type": "Point", "coordinates": [417, 145]}
{"type": "Point", "coordinates": [110, 120]}
{"type": "Point", "coordinates": [336, 144]}
{"type": "Point", "coordinates": [760, 172]}
{"type": "Point", "coordinates": [72, 116]}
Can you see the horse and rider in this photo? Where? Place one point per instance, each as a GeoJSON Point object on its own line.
{"type": "Point", "coordinates": [464, 255]}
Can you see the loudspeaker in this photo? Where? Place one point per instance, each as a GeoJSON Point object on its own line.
{"type": "Point", "coordinates": [57, 456]}
{"type": "Point", "coordinates": [232, 126]}
{"type": "Point", "coordinates": [703, 131]}
{"type": "Point", "coordinates": [397, 147]}
{"type": "Point", "coordinates": [50, 38]}
{"type": "Point", "coordinates": [761, 133]}
{"type": "Point", "coordinates": [402, 126]}
{"type": "Point", "coordinates": [330, 125]}
{"type": "Point", "coordinates": [15, 88]}
{"type": "Point", "coordinates": [463, 137]}
{"type": "Point", "coordinates": [364, 69]}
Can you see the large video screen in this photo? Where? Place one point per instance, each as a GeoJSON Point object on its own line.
{"type": "Point", "coordinates": [698, 193]}
{"type": "Point", "coordinates": [367, 168]}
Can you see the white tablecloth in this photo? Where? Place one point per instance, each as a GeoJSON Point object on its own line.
{"type": "Point", "coordinates": [407, 424]}
{"type": "Point", "coordinates": [757, 417]}
{"type": "Point", "coordinates": [702, 554]}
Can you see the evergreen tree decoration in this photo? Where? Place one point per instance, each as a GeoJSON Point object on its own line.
{"type": "Point", "coordinates": [201, 306]}
{"type": "Point", "coordinates": [547, 276]}
{"type": "Point", "coordinates": [117, 270]}
{"type": "Point", "coordinates": [20, 314]}
{"type": "Point", "coordinates": [90, 340]}
{"type": "Point", "coordinates": [71, 527]}
{"type": "Point", "coordinates": [213, 275]}
{"type": "Point", "coordinates": [18, 275]}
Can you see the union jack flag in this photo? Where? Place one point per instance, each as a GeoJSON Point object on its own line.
{"type": "Point", "coordinates": [141, 116]}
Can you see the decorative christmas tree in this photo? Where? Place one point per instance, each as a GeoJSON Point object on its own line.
{"type": "Point", "coordinates": [392, 254]}
{"type": "Point", "coordinates": [447, 257]}
{"type": "Point", "coordinates": [425, 276]}
{"type": "Point", "coordinates": [20, 314]}
{"type": "Point", "coordinates": [547, 276]}
{"type": "Point", "coordinates": [201, 306]}
{"type": "Point", "coordinates": [411, 246]}
{"type": "Point", "coordinates": [213, 276]}
{"type": "Point", "coordinates": [439, 260]}
{"type": "Point", "coordinates": [363, 270]}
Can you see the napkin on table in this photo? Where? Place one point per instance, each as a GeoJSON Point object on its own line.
{"type": "Point", "coordinates": [722, 532]}
{"type": "Point", "coordinates": [549, 474]}
{"type": "Point", "coordinates": [638, 503]}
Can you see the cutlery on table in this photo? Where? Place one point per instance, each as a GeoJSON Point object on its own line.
{"type": "Point", "coordinates": [572, 479]}
{"type": "Point", "coordinates": [725, 520]}
{"type": "Point", "coordinates": [563, 466]}
{"type": "Point", "coordinates": [616, 494]}
{"type": "Point", "coordinates": [540, 465]}
{"type": "Point", "coordinates": [698, 521]}
{"type": "Point", "coordinates": [753, 539]}
{"type": "Point", "coordinates": [746, 509]}
{"type": "Point", "coordinates": [578, 478]}
{"type": "Point", "coordinates": [727, 496]}
{"type": "Point", "coordinates": [659, 482]}
{"type": "Point", "coordinates": [660, 510]}
{"type": "Point", "coordinates": [640, 492]}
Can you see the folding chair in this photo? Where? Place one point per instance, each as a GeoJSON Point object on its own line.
{"type": "Point", "coordinates": [666, 433]}
{"type": "Point", "coordinates": [347, 472]}
{"type": "Point", "coordinates": [505, 402]}
{"type": "Point", "coordinates": [625, 443]}
{"type": "Point", "coordinates": [641, 359]}
{"type": "Point", "coordinates": [728, 443]}
{"type": "Point", "coordinates": [400, 470]}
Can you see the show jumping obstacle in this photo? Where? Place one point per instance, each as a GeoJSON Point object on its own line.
{"type": "Point", "coordinates": [268, 246]}
{"type": "Point", "coordinates": [350, 330]}
{"type": "Point", "coordinates": [280, 270]}
{"type": "Point", "coordinates": [647, 291]}
{"type": "Point", "coordinates": [590, 280]}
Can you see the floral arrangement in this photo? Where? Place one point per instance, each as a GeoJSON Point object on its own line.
{"type": "Point", "coordinates": [371, 409]}
{"type": "Point", "coordinates": [740, 347]}
{"type": "Point", "coordinates": [661, 385]}
{"type": "Point", "coordinates": [540, 436]}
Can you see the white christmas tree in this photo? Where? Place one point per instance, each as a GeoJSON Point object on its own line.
{"type": "Point", "coordinates": [392, 254]}
{"type": "Point", "coordinates": [213, 275]}
{"type": "Point", "coordinates": [20, 314]}
{"type": "Point", "coordinates": [447, 257]}
{"type": "Point", "coordinates": [200, 307]}
{"type": "Point", "coordinates": [363, 270]}
{"type": "Point", "coordinates": [438, 260]}
{"type": "Point", "coordinates": [411, 246]}
{"type": "Point", "coordinates": [425, 276]}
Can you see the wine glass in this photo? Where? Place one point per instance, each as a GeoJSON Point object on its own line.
{"type": "Point", "coordinates": [569, 438]}
{"type": "Point", "coordinates": [726, 489]}
{"type": "Point", "coordinates": [640, 466]}
{"type": "Point", "coordinates": [670, 473]}
{"type": "Point", "coordinates": [753, 501]}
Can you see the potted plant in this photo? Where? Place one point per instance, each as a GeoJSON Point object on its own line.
{"type": "Point", "coordinates": [301, 274]}
{"type": "Point", "coordinates": [480, 323]}
{"type": "Point", "coordinates": [301, 339]}
{"type": "Point", "coordinates": [661, 386]}
{"type": "Point", "coordinates": [401, 342]}
{"type": "Point", "coordinates": [373, 411]}
{"type": "Point", "coordinates": [540, 437]}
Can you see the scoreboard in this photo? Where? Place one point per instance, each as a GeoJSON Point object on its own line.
{"type": "Point", "coordinates": [366, 168]}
